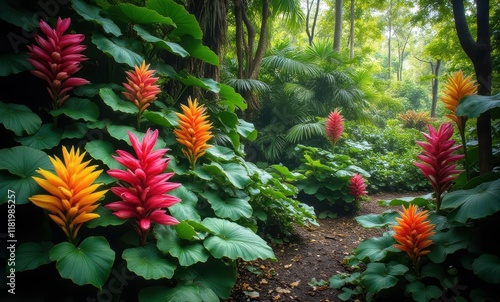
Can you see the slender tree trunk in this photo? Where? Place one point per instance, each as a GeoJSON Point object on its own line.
{"type": "Point", "coordinates": [401, 53]}
{"type": "Point", "coordinates": [435, 86]}
{"type": "Point", "coordinates": [389, 54]}
{"type": "Point", "coordinates": [337, 34]}
{"type": "Point", "coordinates": [480, 54]}
{"type": "Point", "coordinates": [311, 28]}
{"type": "Point", "coordinates": [351, 30]}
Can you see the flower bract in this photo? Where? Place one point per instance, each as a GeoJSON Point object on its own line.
{"type": "Point", "coordinates": [334, 126]}
{"type": "Point", "coordinates": [140, 87]}
{"type": "Point", "coordinates": [357, 186]}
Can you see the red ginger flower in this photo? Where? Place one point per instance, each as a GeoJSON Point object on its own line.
{"type": "Point", "coordinates": [57, 58]}
{"type": "Point", "coordinates": [437, 159]}
{"type": "Point", "coordinates": [412, 233]}
{"type": "Point", "coordinates": [144, 197]}
{"type": "Point", "coordinates": [141, 87]}
{"type": "Point", "coordinates": [334, 126]}
{"type": "Point", "coordinates": [357, 186]}
{"type": "Point", "coordinates": [457, 88]}
{"type": "Point", "coordinates": [194, 131]}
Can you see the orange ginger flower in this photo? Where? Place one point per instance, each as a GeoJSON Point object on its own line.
{"type": "Point", "coordinates": [73, 194]}
{"type": "Point", "coordinates": [412, 233]}
{"type": "Point", "coordinates": [457, 88]}
{"type": "Point", "coordinates": [141, 87]}
{"type": "Point", "coordinates": [194, 131]}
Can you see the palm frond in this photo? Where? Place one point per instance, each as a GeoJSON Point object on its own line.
{"type": "Point", "coordinates": [288, 62]}
{"type": "Point", "coordinates": [305, 131]}
{"type": "Point", "coordinates": [247, 85]}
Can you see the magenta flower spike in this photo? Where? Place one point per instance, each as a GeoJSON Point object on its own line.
{"type": "Point", "coordinates": [437, 161]}
{"type": "Point", "coordinates": [357, 186]}
{"type": "Point", "coordinates": [57, 58]}
{"type": "Point", "coordinates": [143, 186]}
{"type": "Point", "coordinates": [334, 126]}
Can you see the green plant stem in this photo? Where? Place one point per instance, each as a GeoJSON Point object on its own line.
{"type": "Point", "coordinates": [464, 146]}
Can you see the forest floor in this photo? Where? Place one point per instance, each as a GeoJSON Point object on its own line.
{"type": "Point", "coordinates": [305, 264]}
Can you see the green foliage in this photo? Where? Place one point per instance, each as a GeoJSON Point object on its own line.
{"type": "Point", "coordinates": [326, 182]}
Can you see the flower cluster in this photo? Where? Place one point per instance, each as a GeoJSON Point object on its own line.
{"type": "Point", "coordinates": [357, 186]}
{"type": "Point", "coordinates": [140, 87]}
{"type": "Point", "coordinates": [57, 58]}
{"type": "Point", "coordinates": [412, 233]}
{"type": "Point", "coordinates": [144, 186]}
{"type": "Point", "coordinates": [457, 88]}
{"type": "Point", "coordinates": [73, 194]}
{"type": "Point", "coordinates": [438, 162]}
{"type": "Point", "coordinates": [193, 131]}
{"type": "Point", "coordinates": [334, 126]}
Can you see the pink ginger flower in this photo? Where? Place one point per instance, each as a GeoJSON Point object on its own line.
{"type": "Point", "coordinates": [438, 162]}
{"type": "Point", "coordinates": [144, 186]}
{"type": "Point", "coordinates": [57, 58]}
{"type": "Point", "coordinates": [334, 126]}
{"type": "Point", "coordinates": [357, 186]}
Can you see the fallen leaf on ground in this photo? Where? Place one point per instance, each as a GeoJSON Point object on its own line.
{"type": "Point", "coordinates": [282, 290]}
{"type": "Point", "coordinates": [295, 284]}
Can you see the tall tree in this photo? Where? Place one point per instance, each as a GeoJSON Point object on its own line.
{"type": "Point", "coordinates": [337, 34]}
{"type": "Point", "coordinates": [351, 29]}
{"type": "Point", "coordinates": [311, 24]}
{"type": "Point", "coordinates": [389, 40]}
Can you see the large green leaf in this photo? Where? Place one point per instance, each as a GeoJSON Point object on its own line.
{"type": "Point", "coordinates": [45, 138]}
{"type": "Point", "coordinates": [474, 105]}
{"type": "Point", "coordinates": [169, 242]}
{"type": "Point", "coordinates": [75, 130]}
{"type": "Point", "coordinates": [92, 13]}
{"type": "Point", "coordinates": [186, 209]}
{"type": "Point", "coordinates": [197, 50]}
{"type": "Point", "coordinates": [112, 100]}
{"type": "Point", "coordinates": [117, 49]}
{"type": "Point", "coordinates": [220, 153]}
{"type": "Point", "coordinates": [148, 262]}
{"type": "Point", "coordinates": [31, 255]}
{"type": "Point", "coordinates": [233, 208]}
{"type": "Point", "coordinates": [235, 173]}
{"type": "Point", "coordinates": [376, 248]}
{"type": "Point", "coordinates": [163, 119]}
{"type": "Point", "coordinates": [138, 15]}
{"type": "Point", "coordinates": [103, 151]}
{"type": "Point", "coordinates": [18, 16]}
{"type": "Point", "coordinates": [246, 129]}
{"type": "Point", "coordinates": [377, 220]}
{"type": "Point", "coordinates": [167, 45]}
{"type": "Point", "coordinates": [378, 276]}
{"type": "Point", "coordinates": [77, 108]}
{"type": "Point", "coordinates": [190, 80]}
{"type": "Point", "coordinates": [448, 242]}
{"type": "Point", "coordinates": [13, 63]}
{"type": "Point", "coordinates": [422, 293]}
{"type": "Point", "coordinates": [234, 241]}
{"type": "Point", "coordinates": [19, 119]}
{"type": "Point", "coordinates": [487, 267]}
{"type": "Point", "coordinates": [186, 23]}
{"type": "Point", "coordinates": [105, 218]}
{"type": "Point", "coordinates": [421, 201]}
{"type": "Point", "coordinates": [182, 292]}
{"type": "Point", "coordinates": [120, 132]}
{"type": "Point", "coordinates": [479, 202]}
{"type": "Point", "coordinates": [17, 166]}
{"type": "Point", "coordinates": [231, 98]}
{"type": "Point", "coordinates": [89, 263]}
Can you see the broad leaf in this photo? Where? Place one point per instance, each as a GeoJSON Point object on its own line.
{"type": "Point", "coordinates": [130, 13]}
{"type": "Point", "coordinates": [103, 151]}
{"type": "Point", "coordinates": [422, 293]}
{"type": "Point", "coordinates": [17, 166]}
{"type": "Point", "coordinates": [89, 263]}
{"type": "Point", "coordinates": [31, 255]}
{"type": "Point", "coordinates": [197, 50]}
{"type": "Point", "coordinates": [380, 275]}
{"type": "Point", "coordinates": [190, 80]}
{"type": "Point", "coordinates": [13, 63]}
{"type": "Point", "coordinates": [187, 253]}
{"type": "Point", "coordinates": [118, 50]}
{"type": "Point", "coordinates": [120, 132]}
{"type": "Point", "coordinates": [105, 218]}
{"type": "Point", "coordinates": [148, 262]}
{"type": "Point", "coordinates": [476, 203]}
{"type": "Point", "coordinates": [474, 105]}
{"type": "Point", "coordinates": [220, 153]}
{"type": "Point", "coordinates": [231, 98]}
{"type": "Point", "coordinates": [246, 129]}
{"type": "Point", "coordinates": [448, 242]}
{"type": "Point", "coordinates": [75, 130]}
{"type": "Point", "coordinates": [376, 248]}
{"type": "Point", "coordinates": [286, 174]}
{"type": "Point", "coordinates": [77, 108]}
{"type": "Point", "coordinates": [182, 292]}
{"type": "Point", "coordinates": [19, 119]}
{"type": "Point", "coordinates": [377, 220]}
{"type": "Point", "coordinates": [45, 138]}
{"type": "Point", "coordinates": [92, 13]}
{"type": "Point", "coordinates": [186, 23]}
{"type": "Point", "coordinates": [166, 45]}
{"type": "Point", "coordinates": [234, 241]}
{"type": "Point", "coordinates": [487, 267]}
{"type": "Point", "coordinates": [186, 209]}
{"type": "Point", "coordinates": [163, 119]}
{"type": "Point", "coordinates": [114, 101]}
{"type": "Point", "coordinates": [421, 201]}
{"type": "Point", "coordinates": [233, 208]}
{"type": "Point", "coordinates": [235, 173]}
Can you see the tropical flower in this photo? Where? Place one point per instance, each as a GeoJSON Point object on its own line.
{"type": "Point", "coordinates": [73, 194]}
{"type": "Point", "coordinates": [334, 126]}
{"type": "Point", "coordinates": [140, 87]}
{"type": "Point", "coordinates": [412, 233]}
{"type": "Point", "coordinates": [357, 186]}
{"type": "Point", "coordinates": [57, 58]}
{"type": "Point", "coordinates": [437, 159]}
{"type": "Point", "coordinates": [194, 131]}
{"type": "Point", "coordinates": [457, 88]}
{"type": "Point", "coordinates": [144, 186]}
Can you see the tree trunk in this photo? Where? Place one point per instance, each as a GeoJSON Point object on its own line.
{"type": "Point", "coordinates": [337, 34]}
{"type": "Point", "coordinates": [480, 54]}
{"type": "Point", "coordinates": [310, 29]}
{"type": "Point", "coordinates": [435, 86]}
{"type": "Point", "coordinates": [389, 54]}
{"type": "Point", "coordinates": [351, 31]}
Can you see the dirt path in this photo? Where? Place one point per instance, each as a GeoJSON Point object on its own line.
{"type": "Point", "coordinates": [313, 253]}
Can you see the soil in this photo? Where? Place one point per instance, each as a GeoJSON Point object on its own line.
{"type": "Point", "coordinates": [305, 263]}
